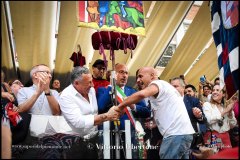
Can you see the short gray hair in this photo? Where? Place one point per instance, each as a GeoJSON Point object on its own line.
{"type": "Point", "coordinates": [77, 73]}
{"type": "Point", "coordinates": [180, 80]}
{"type": "Point", "coordinates": [35, 69]}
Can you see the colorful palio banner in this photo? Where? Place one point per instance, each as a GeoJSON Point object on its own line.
{"type": "Point", "coordinates": [119, 16]}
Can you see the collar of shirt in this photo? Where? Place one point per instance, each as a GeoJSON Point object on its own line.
{"type": "Point", "coordinates": [34, 86]}
{"type": "Point", "coordinates": [122, 88]}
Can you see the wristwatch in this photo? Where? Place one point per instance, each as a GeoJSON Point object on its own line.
{"type": "Point", "coordinates": [48, 94]}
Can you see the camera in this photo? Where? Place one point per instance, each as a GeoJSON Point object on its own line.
{"type": "Point", "coordinates": [220, 123]}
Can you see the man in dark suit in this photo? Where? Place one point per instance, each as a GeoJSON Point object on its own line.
{"type": "Point", "coordinates": [105, 101]}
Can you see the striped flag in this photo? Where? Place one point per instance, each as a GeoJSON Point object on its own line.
{"type": "Point", "coordinates": [13, 116]}
{"type": "Point", "coordinates": [120, 98]}
{"type": "Point", "coordinates": [225, 29]}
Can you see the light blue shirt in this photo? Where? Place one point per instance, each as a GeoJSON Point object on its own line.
{"type": "Point", "coordinates": [41, 106]}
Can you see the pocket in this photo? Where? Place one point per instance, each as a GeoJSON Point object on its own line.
{"type": "Point", "coordinates": [188, 138]}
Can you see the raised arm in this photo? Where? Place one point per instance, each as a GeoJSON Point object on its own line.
{"type": "Point", "coordinates": [151, 90]}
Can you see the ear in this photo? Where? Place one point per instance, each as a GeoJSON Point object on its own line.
{"type": "Point", "coordinates": [76, 83]}
{"type": "Point", "coordinates": [152, 76]}
{"type": "Point", "coordinates": [35, 75]}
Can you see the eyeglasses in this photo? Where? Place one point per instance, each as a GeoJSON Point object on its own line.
{"type": "Point", "coordinates": [123, 72]}
{"type": "Point", "coordinates": [17, 82]}
{"type": "Point", "coordinates": [45, 72]}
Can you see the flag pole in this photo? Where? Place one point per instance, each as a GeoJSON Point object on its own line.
{"type": "Point", "coordinates": [114, 93]}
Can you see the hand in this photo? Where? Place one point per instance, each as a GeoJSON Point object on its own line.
{"type": "Point", "coordinates": [9, 96]}
{"type": "Point", "coordinates": [201, 103]}
{"type": "Point", "coordinates": [114, 113]}
{"type": "Point", "coordinates": [197, 112]}
{"type": "Point", "coordinates": [150, 124]}
{"type": "Point", "coordinates": [205, 152]}
{"type": "Point", "coordinates": [15, 109]}
{"type": "Point", "coordinates": [229, 108]}
{"type": "Point", "coordinates": [208, 82]}
{"type": "Point", "coordinates": [132, 106]}
{"type": "Point", "coordinates": [234, 99]}
{"type": "Point", "coordinates": [43, 82]}
{"type": "Point", "coordinates": [201, 85]}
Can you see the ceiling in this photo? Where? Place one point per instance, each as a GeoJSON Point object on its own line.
{"type": "Point", "coordinates": [34, 30]}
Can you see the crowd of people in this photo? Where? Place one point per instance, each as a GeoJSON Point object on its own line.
{"type": "Point", "coordinates": [182, 122]}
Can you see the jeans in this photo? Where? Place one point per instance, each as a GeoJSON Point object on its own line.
{"type": "Point", "coordinates": [176, 147]}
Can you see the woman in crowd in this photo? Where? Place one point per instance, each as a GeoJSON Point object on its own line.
{"type": "Point", "coordinates": [220, 118]}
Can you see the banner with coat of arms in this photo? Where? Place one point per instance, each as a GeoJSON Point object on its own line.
{"type": "Point", "coordinates": [120, 16]}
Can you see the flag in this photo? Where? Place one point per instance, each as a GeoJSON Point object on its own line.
{"type": "Point", "coordinates": [120, 97]}
{"type": "Point", "coordinates": [225, 29]}
{"type": "Point", "coordinates": [13, 116]}
{"type": "Point", "coordinates": [120, 16]}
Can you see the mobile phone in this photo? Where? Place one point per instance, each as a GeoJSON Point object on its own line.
{"type": "Point", "coordinates": [203, 79]}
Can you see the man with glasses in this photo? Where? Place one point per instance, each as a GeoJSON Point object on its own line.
{"type": "Point", "coordinates": [42, 103]}
{"type": "Point", "coordinates": [99, 69]}
{"type": "Point", "coordinates": [39, 98]}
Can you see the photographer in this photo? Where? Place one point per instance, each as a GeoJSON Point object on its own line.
{"type": "Point", "coordinates": [220, 118]}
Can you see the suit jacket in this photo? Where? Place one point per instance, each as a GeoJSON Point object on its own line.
{"type": "Point", "coordinates": [191, 102]}
{"type": "Point", "coordinates": [105, 101]}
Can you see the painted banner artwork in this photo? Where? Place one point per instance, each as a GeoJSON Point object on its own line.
{"type": "Point", "coordinates": [119, 16]}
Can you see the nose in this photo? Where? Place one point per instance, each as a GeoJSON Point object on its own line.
{"type": "Point", "coordinates": [138, 80]}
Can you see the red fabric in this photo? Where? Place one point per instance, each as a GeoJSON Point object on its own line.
{"type": "Point", "coordinates": [100, 83]}
{"type": "Point", "coordinates": [13, 116]}
{"type": "Point", "coordinates": [236, 110]}
{"type": "Point", "coordinates": [78, 59]}
{"type": "Point", "coordinates": [231, 153]}
{"type": "Point", "coordinates": [116, 40]}
{"type": "Point", "coordinates": [226, 142]}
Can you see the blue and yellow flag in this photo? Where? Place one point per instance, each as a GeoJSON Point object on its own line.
{"type": "Point", "coordinates": [120, 16]}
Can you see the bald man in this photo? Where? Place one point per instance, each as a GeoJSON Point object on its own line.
{"type": "Point", "coordinates": [169, 113]}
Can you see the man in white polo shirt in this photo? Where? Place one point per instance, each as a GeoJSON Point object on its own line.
{"type": "Point", "coordinates": [169, 111]}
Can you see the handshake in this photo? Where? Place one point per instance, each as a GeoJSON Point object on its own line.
{"type": "Point", "coordinates": [114, 113]}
